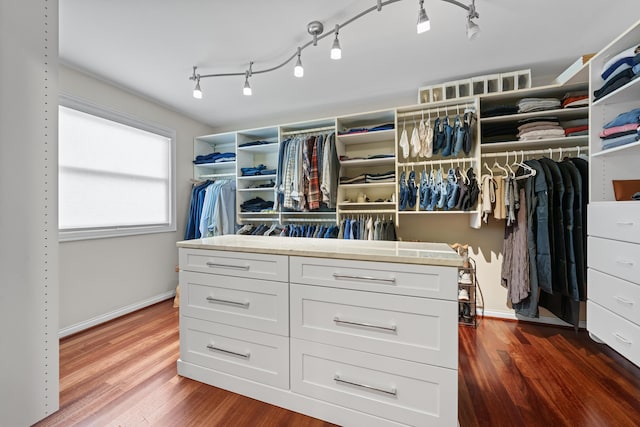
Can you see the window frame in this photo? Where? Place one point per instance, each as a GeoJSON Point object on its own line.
{"type": "Point", "coordinates": [82, 105]}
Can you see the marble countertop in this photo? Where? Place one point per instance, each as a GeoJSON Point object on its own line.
{"type": "Point", "coordinates": [366, 250]}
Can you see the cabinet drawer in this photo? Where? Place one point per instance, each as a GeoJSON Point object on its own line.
{"type": "Point", "coordinates": [615, 220]}
{"type": "Point", "coordinates": [618, 333]}
{"type": "Point", "coordinates": [239, 264]}
{"type": "Point", "coordinates": [616, 258]}
{"type": "Point", "coordinates": [419, 329]}
{"type": "Point", "coordinates": [619, 296]}
{"type": "Point", "coordinates": [392, 278]}
{"type": "Point", "coordinates": [407, 392]}
{"type": "Point", "coordinates": [261, 305]}
{"type": "Point", "coordinates": [241, 352]}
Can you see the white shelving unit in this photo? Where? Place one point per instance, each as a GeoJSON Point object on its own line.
{"type": "Point", "coordinates": [614, 226]}
{"type": "Point", "coordinates": [223, 143]}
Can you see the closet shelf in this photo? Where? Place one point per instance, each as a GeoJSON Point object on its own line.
{"type": "Point", "coordinates": [368, 162]}
{"type": "Point", "coordinates": [346, 205]}
{"type": "Point", "coordinates": [633, 147]}
{"type": "Point", "coordinates": [256, 177]}
{"type": "Point", "coordinates": [554, 90]}
{"type": "Point", "coordinates": [627, 93]}
{"type": "Point", "coordinates": [561, 113]}
{"type": "Point", "coordinates": [436, 212]}
{"type": "Point", "coordinates": [569, 141]}
{"type": "Point", "coordinates": [366, 211]}
{"type": "Point", "coordinates": [217, 175]}
{"type": "Point", "coordinates": [252, 190]}
{"type": "Point", "coordinates": [264, 148]}
{"type": "Point", "coordinates": [366, 137]}
{"type": "Point", "coordinates": [370, 185]}
{"type": "Point", "coordinates": [219, 165]}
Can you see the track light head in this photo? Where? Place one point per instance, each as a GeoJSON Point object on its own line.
{"type": "Point", "coordinates": [472, 29]}
{"type": "Point", "coordinates": [298, 70]}
{"type": "Point", "coordinates": [424, 24]}
{"type": "Point", "coordinates": [336, 51]}
{"type": "Point", "coordinates": [197, 92]}
{"type": "Point", "coordinates": [246, 90]}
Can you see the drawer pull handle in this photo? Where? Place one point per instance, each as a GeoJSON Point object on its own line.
{"type": "Point", "coordinates": [368, 278]}
{"type": "Point", "coordinates": [624, 300]}
{"type": "Point", "coordinates": [627, 223]}
{"type": "Point", "coordinates": [236, 267]}
{"type": "Point", "coordinates": [222, 350]}
{"type": "Point", "coordinates": [392, 391]}
{"type": "Point", "coordinates": [627, 263]}
{"type": "Point", "coordinates": [393, 328]}
{"type": "Point", "coordinates": [213, 300]}
{"type": "Point", "coordinates": [621, 338]}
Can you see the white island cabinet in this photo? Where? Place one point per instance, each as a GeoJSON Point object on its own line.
{"type": "Point", "coordinates": [357, 333]}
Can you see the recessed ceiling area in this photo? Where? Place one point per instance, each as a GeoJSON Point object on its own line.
{"type": "Point", "coordinates": [149, 47]}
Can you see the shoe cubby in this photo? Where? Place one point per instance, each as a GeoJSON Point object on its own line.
{"type": "Point", "coordinates": [468, 306]}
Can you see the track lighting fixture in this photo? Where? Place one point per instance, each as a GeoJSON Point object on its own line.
{"type": "Point", "coordinates": [336, 52]}
{"type": "Point", "coordinates": [246, 90]}
{"type": "Point", "coordinates": [424, 24]}
{"type": "Point", "coordinates": [197, 92]}
{"type": "Point", "coordinates": [472, 28]}
{"type": "Point", "coordinates": [298, 70]}
{"type": "Point", "coordinates": [316, 28]}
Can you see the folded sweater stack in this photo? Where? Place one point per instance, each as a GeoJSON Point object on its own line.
{"type": "Point", "coordinates": [539, 128]}
{"type": "Point", "coordinates": [576, 127]}
{"type": "Point", "coordinates": [527, 105]}
{"type": "Point", "coordinates": [575, 99]}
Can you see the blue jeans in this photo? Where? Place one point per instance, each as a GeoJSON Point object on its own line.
{"type": "Point", "coordinates": [624, 118]}
{"type": "Point", "coordinates": [448, 138]}
{"type": "Point", "coordinates": [425, 190]}
{"type": "Point", "coordinates": [438, 136]}
{"type": "Point", "coordinates": [459, 136]}
{"type": "Point", "coordinates": [403, 194]}
{"type": "Point", "coordinates": [412, 189]}
{"type": "Point", "coordinates": [452, 190]}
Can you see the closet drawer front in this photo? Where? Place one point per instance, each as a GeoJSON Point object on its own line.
{"type": "Point", "coordinates": [392, 278]}
{"type": "Point", "coordinates": [619, 296]}
{"type": "Point", "coordinates": [618, 333]}
{"type": "Point", "coordinates": [248, 354]}
{"type": "Point", "coordinates": [615, 220]}
{"type": "Point", "coordinates": [239, 264]}
{"type": "Point", "coordinates": [619, 259]}
{"type": "Point", "coordinates": [261, 305]}
{"type": "Point", "coordinates": [419, 329]}
{"type": "Point", "coordinates": [407, 392]}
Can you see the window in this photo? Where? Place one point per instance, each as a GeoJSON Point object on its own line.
{"type": "Point", "coordinates": [116, 173]}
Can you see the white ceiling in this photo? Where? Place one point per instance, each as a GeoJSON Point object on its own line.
{"type": "Point", "coordinates": [149, 47]}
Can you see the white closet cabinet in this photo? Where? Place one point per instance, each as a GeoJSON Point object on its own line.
{"type": "Point", "coordinates": [613, 306]}
{"type": "Point", "coordinates": [355, 333]}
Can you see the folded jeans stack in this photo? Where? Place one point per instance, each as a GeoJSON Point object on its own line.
{"type": "Point", "coordinates": [619, 70]}
{"type": "Point", "coordinates": [214, 158]}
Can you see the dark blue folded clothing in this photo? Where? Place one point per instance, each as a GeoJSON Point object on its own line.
{"type": "Point", "coordinates": [252, 143]}
{"type": "Point", "coordinates": [214, 158]}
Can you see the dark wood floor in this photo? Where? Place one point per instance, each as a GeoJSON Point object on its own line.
{"type": "Point", "coordinates": [123, 373]}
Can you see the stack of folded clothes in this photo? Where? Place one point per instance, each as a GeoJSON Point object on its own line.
{"type": "Point", "coordinates": [389, 176]}
{"type": "Point", "coordinates": [575, 99]}
{"type": "Point", "coordinates": [622, 130]}
{"type": "Point", "coordinates": [499, 110]}
{"type": "Point", "coordinates": [215, 158]}
{"type": "Point", "coordinates": [539, 128]}
{"type": "Point", "coordinates": [619, 70]}
{"type": "Point", "coordinates": [499, 132]}
{"type": "Point", "coordinates": [257, 170]}
{"type": "Point", "coordinates": [527, 105]}
{"type": "Point", "coordinates": [256, 205]}
{"type": "Point", "coordinates": [384, 126]}
{"type": "Point", "coordinates": [576, 127]}
{"type": "Point", "coordinates": [360, 179]}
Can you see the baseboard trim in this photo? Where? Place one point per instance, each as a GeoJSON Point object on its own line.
{"type": "Point", "coordinates": [546, 320]}
{"type": "Point", "coordinates": [81, 326]}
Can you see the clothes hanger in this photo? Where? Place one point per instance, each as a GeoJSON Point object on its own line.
{"type": "Point", "coordinates": [489, 169]}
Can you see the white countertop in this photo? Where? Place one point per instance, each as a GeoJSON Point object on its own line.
{"type": "Point", "coordinates": [366, 250]}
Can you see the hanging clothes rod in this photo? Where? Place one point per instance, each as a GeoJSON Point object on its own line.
{"type": "Point", "coordinates": [549, 151]}
{"type": "Point", "coordinates": [456, 160]}
{"type": "Point", "coordinates": [259, 220]}
{"type": "Point", "coordinates": [307, 131]}
{"type": "Point", "coordinates": [437, 110]}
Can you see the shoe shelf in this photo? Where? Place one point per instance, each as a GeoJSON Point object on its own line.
{"type": "Point", "coordinates": [468, 295]}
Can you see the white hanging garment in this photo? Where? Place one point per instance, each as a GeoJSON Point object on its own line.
{"type": "Point", "coordinates": [415, 142]}
{"type": "Point", "coordinates": [404, 143]}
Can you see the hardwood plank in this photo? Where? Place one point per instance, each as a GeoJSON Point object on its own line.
{"type": "Point", "coordinates": [123, 373]}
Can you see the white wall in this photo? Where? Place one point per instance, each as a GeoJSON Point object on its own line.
{"type": "Point", "coordinates": [28, 211]}
{"type": "Point", "coordinates": [102, 278]}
